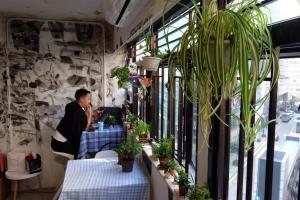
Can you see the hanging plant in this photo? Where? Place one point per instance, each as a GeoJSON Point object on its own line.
{"type": "Point", "coordinates": [152, 56]}
{"type": "Point", "coordinates": [218, 47]}
{"type": "Point", "coordinates": [122, 74]}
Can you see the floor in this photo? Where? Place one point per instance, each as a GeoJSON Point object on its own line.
{"type": "Point", "coordinates": [43, 194]}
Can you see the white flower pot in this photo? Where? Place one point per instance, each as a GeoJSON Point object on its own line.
{"type": "Point", "coordinates": [150, 63]}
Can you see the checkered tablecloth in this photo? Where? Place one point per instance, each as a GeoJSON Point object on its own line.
{"type": "Point", "coordinates": [92, 142]}
{"type": "Point", "coordinates": [103, 179]}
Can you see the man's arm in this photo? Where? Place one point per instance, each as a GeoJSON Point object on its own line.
{"type": "Point", "coordinates": [89, 114]}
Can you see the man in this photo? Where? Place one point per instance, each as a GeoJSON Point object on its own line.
{"type": "Point", "coordinates": [77, 118]}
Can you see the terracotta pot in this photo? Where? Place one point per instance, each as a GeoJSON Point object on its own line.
{"type": "Point", "coordinates": [143, 138]}
{"type": "Point", "coordinates": [127, 165]}
{"type": "Point", "coordinates": [182, 190]}
{"type": "Point", "coordinates": [172, 172]}
{"type": "Point", "coordinates": [163, 162]}
{"type": "Point", "coordinates": [132, 125]}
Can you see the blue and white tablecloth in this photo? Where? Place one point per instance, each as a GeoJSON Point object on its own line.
{"type": "Point", "coordinates": [103, 179]}
{"type": "Point", "coordinates": [92, 142]}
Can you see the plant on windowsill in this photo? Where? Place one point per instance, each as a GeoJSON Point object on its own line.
{"type": "Point", "coordinates": [199, 193]}
{"type": "Point", "coordinates": [163, 151]}
{"type": "Point", "coordinates": [127, 152]}
{"type": "Point", "coordinates": [110, 121]}
{"type": "Point", "coordinates": [132, 119]}
{"type": "Point", "coordinates": [142, 131]}
{"type": "Point", "coordinates": [219, 46]}
{"type": "Point", "coordinates": [171, 167]}
{"type": "Point", "coordinates": [183, 182]}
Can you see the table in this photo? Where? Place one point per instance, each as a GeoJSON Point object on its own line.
{"type": "Point", "coordinates": [15, 177]}
{"type": "Point", "coordinates": [92, 142]}
{"type": "Point", "coordinates": [103, 179]}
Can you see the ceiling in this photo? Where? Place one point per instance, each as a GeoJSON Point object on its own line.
{"type": "Point", "coordinates": [84, 10]}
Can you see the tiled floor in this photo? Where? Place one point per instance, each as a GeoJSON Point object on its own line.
{"type": "Point", "coordinates": [43, 194]}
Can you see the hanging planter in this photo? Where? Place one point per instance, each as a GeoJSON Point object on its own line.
{"type": "Point", "coordinates": [150, 63]}
{"type": "Point", "coordinates": [219, 48]}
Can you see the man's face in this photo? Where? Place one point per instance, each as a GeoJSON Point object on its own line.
{"type": "Point", "coordinates": [85, 100]}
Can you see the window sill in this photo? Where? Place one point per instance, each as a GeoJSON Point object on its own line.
{"type": "Point", "coordinates": [169, 180]}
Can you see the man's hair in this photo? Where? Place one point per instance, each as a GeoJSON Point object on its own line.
{"type": "Point", "coordinates": [80, 93]}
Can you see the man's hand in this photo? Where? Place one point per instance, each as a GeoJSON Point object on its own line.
{"type": "Point", "coordinates": [89, 110]}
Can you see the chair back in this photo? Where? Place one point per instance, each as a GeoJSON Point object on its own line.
{"type": "Point", "coordinates": [106, 154]}
{"type": "Point", "coordinates": [65, 155]}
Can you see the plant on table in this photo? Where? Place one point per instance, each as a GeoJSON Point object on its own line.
{"type": "Point", "coordinates": [183, 182]}
{"type": "Point", "coordinates": [219, 46]}
{"type": "Point", "coordinates": [110, 120]}
{"type": "Point", "coordinates": [163, 151]}
{"type": "Point", "coordinates": [127, 152]}
{"type": "Point", "coordinates": [199, 193]}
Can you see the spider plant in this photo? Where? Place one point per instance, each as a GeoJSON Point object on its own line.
{"type": "Point", "coordinates": [220, 47]}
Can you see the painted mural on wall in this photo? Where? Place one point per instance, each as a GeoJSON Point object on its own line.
{"type": "Point", "coordinates": [3, 94]}
{"type": "Point", "coordinates": [48, 62]}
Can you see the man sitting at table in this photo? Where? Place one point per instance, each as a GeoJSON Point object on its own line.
{"type": "Point", "coordinates": [77, 118]}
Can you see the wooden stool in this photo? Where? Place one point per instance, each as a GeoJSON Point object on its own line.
{"type": "Point", "coordinates": [15, 177]}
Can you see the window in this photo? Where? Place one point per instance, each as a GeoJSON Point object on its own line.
{"type": "Point", "coordinates": [168, 106]}
{"type": "Point", "coordinates": [280, 10]}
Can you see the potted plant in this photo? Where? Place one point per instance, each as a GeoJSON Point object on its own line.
{"type": "Point", "coordinates": [171, 167]}
{"type": "Point", "coordinates": [163, 151]}
{"type": "Point", "coordinates": [127, 151]}
{"type": "Point", "coordinates": [110, 121]}
{"type": "Point", "coordinates": [151, 61]}
{"type": "Point", "coordinates": [219, 46]}
{"type": "Point", "coordinates": [196, 193]}
{"type": "Point", "coordinates": [132, 119]}
{"type": "Point", "coordinates": [183, 182]}
{"type": "Point", "coordinates": [122, 74]}
{"type": "Point", "coordinates": [119, 151]}
{"type": "Point", "coordinates": [142, 131]}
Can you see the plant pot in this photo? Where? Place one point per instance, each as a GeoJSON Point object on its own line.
{"type": "Point", "coordinates": [119, 159]}
{"type": "Point", "coordinates": [163, 162]}
{"type": "Point", "coordinates": [132, 125]}
{"type": "Point", "coordinates": [172, 172]}
{"type": "Point", "coordinates": [127, 165]}
{"type": "Point", "coordinates": [143, 138]}
{"type": "Point", "coordinates": [150, 63]}
{"type": "Point", "coordinates": [182, 190]}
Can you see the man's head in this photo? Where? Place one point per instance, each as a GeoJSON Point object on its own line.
{"type": "Point", "coordinates": [83, 97]}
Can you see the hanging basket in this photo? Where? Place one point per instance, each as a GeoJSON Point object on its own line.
{"type": "Point", "coordinates": [150, 63]}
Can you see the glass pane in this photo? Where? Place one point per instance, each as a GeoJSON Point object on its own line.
{"type": "Point", "coordinates": [172, 36]}
{"type": "Point", "coordinates": [174, 25]}
{"type": "Point", "coordinates": [159, 108]}
{"type": "Point", "coordinates": [195, 131]}
{"type": "Point", "coordinates": [286, 163]}
{"type": "Point", "coordinates": [260, 143]}
{"type": "Point", "coordinates": [164, 48]}
{"type": "Point", "coordinates": [234, 147]}
{"type": "Point", "coordinates": [282, 10]}
{"type": "Point", "coordinates": [165, 105]}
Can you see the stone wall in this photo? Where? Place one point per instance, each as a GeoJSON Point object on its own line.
{"type": "Point", "coordinates": [42, 64]}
